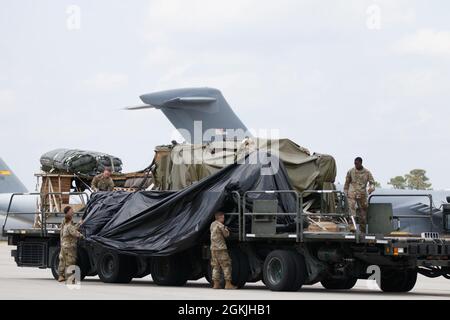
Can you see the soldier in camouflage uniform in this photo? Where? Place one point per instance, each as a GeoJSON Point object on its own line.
{"type": "Point", "coordinates": [103, 181]}
{"type": "Point", "coordinates": [69, 235]}
{"type": "Point", "coordinates": [356, 190]}
{"type": "Point", "coordinates": [219, 253]}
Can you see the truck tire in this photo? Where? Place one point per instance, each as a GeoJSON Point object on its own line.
{"type": "Point", "coordinates": [207, 271]}
{"type": "Point", "coordinates": [81, 262]}
{"type": "Point", "coordinates": [395, 280]}
{"type": "Point", "coordinates": [339, 284]}
{"type": "Point", "coordinates": [240, 269]}
{"type": "Point", "coordinates": [301, 271]}
{"type": "Point", "coordinates": [84, 264]}
{"type": "Point", "coordinates": [143, 268]}
{"type": "Point", "coordinates": [280, 271]}
{"type": "Point", "coordinates": [54, 263]}
{"type": "Point", "coordinates": [168, 271]}
{"type": "Point", "coordinates": [115, 268]}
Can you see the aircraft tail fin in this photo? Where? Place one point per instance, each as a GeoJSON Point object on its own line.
{"type": "Point", "coordinates": [186, 107]}
{"type": "Point", "coordinates": [9, 182]}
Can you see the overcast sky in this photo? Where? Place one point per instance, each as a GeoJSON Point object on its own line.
{"type": "Point", "coordinates": [366, 78]}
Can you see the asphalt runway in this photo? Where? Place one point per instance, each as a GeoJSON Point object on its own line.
{"type": "Point", "coordinates": [32, 283]}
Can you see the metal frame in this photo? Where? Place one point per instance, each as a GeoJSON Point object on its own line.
{"type": "Point", "coordinates": [238, 214]}
{"type": "Point", "coordinates": [422, 216]}
{"type": "Point", "coordinates": [298, 223]}
{"type": "Point", "coordinates": [299, 214]}
{"type": "Point", "coordinates": [40, 210]}
{"type": "Point", "coordinates": [322, 214]}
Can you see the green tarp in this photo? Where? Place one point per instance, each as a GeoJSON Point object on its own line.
{"type": "Point", "coordinates": [182, 165]}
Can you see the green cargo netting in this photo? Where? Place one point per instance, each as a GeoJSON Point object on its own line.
{"type": "Point", "coordinates": [79, 161]}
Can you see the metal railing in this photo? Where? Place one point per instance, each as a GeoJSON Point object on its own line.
{"type": "Point", "coordinates": [409, 216]}
{"type": "Point", "coordinates": [40, 208]}
{"type": "Point", "coordinates": [299, 213]}
{"type": "Point", "coordinates": [238, 213]}
{"type": "Point", "coordinates": [298, 222]}
{"type": "Point", "coordinates": [342, 206]}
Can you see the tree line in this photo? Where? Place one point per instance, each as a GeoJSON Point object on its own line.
{"type": "Point", "coordinates": [414, 180]}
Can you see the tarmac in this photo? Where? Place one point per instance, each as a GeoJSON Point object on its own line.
{"type": "Point", "coordinates": [33, 283]}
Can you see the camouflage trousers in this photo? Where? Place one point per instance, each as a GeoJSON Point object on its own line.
{"type": "Point", "coordinates": [359, 201]}
{"type": "Point", "coordinates": [67, 258]}
{"type": "Point", "coordinates": [220, 260]}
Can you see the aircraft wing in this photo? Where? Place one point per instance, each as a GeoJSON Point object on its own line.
{"type": "Point", "coordinates": [414, 203]}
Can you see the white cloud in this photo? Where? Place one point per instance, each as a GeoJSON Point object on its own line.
{"type": "Point", "coordinates": [107, 81]}
{"type": "Point", "coordinates": [417, 83]}
{"type": "Point", "coordinates": [425, 42]}
{"type": "Point", "coordinates": [169, 18]}
{"type": "Point", "coordinates": [253, 18]}
{"type": "Point", "coordinates": [425, 116]}
{"type": "Point", "coordinates": [173, 73]}
{"type": "Point", "coordinates": [8, 103]}
{"type": "Point", "coordinates": [160, 56]}
{"type": "Point", "coordinates": [306, 67]}
{"type": "Point", "coordinates": [396, 12]}
{"type": "Point", "coordinates": [219, 40]}
{"type": "Point", "coordinates": [7, 98]}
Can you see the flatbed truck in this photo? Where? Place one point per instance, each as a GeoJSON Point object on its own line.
{"type": "Point", "coordinates": [283, 260]}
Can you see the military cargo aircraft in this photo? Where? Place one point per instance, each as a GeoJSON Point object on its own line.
{"type": "Point", "coordinates": [416, 211]}
{"type": "Point", "coordinates": [199, 114]}
{"type": "Point", "coordinates": [412, 211]}
{"type": "Point", "coordinates": [9, 184]}
{"type": "Point", "coordinates": [202, 114]}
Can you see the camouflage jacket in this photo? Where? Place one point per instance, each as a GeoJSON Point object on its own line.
{"type": "Point", "coordinates": [69, 234]}
{"type": "Point", "coordinates": [100, 183]}
{"type": "Point", "coordinates": [218, 234]}
{"type": "Point", "coordinates": [356, 182]}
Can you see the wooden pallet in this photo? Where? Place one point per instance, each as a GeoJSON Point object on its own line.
{"type": "Point", "coordinates": [54, 183]}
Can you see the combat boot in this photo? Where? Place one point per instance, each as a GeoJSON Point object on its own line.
{"type": "Point", "coordinates": [61, 279]}
{"type": "Point", "coordinates": [216, 284]}
{"type": "Point", "coordinates": [229, 285]}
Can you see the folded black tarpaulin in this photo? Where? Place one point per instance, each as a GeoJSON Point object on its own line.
{"type": "Point", "coordinates": [163, 223]}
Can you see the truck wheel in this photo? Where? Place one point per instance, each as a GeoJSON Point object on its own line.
{"type": "Point", "coordinates": [81, 262]}
{"type": "Point", "coordinates": [339, 284]}
{"type": "Point", "coordinates": [279, 271]}
{"type": "Point", "coordinates": [240, 269]}
{"type": "Point", "coordinates": [143, 268]}
{"type": "Point", "coordinates": [301, 271]}
{"type": "Point", "coordinates": [54, 263]}
{"type": "Point", "coordinates": [207, 271]}
{"type": "Point", "coordinates": [394, 280]}
{"type": "Point", "coordinates": [168, 271]}
{"type": "Point", "coordinates": [115, 268]}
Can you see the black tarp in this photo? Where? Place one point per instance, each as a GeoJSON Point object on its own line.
{"type": "Point", "coordinates": [163, 223]}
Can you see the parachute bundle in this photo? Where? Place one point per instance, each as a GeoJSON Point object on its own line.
{"type": "Point", "coordinates": [79, 162]}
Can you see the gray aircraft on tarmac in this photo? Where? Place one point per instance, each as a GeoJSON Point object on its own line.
{"type": "Point", "coordinates": [9, 184]}
{"type": "Point", "coordinates": [208, 107]}
{"type": "Point", "coordinates": [410, 209]}
{"type": "Point", "coordinates": [204, 107]}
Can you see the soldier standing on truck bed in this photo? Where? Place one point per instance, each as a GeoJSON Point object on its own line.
{"type": "Point", "coordinates": [219, 252]}
{"type": "Point", "coordinates": [356, 190]}
{"type": "Point", "coordinates": [103, 181]}
{"type": "Point", "coordinates": [68, 235]}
